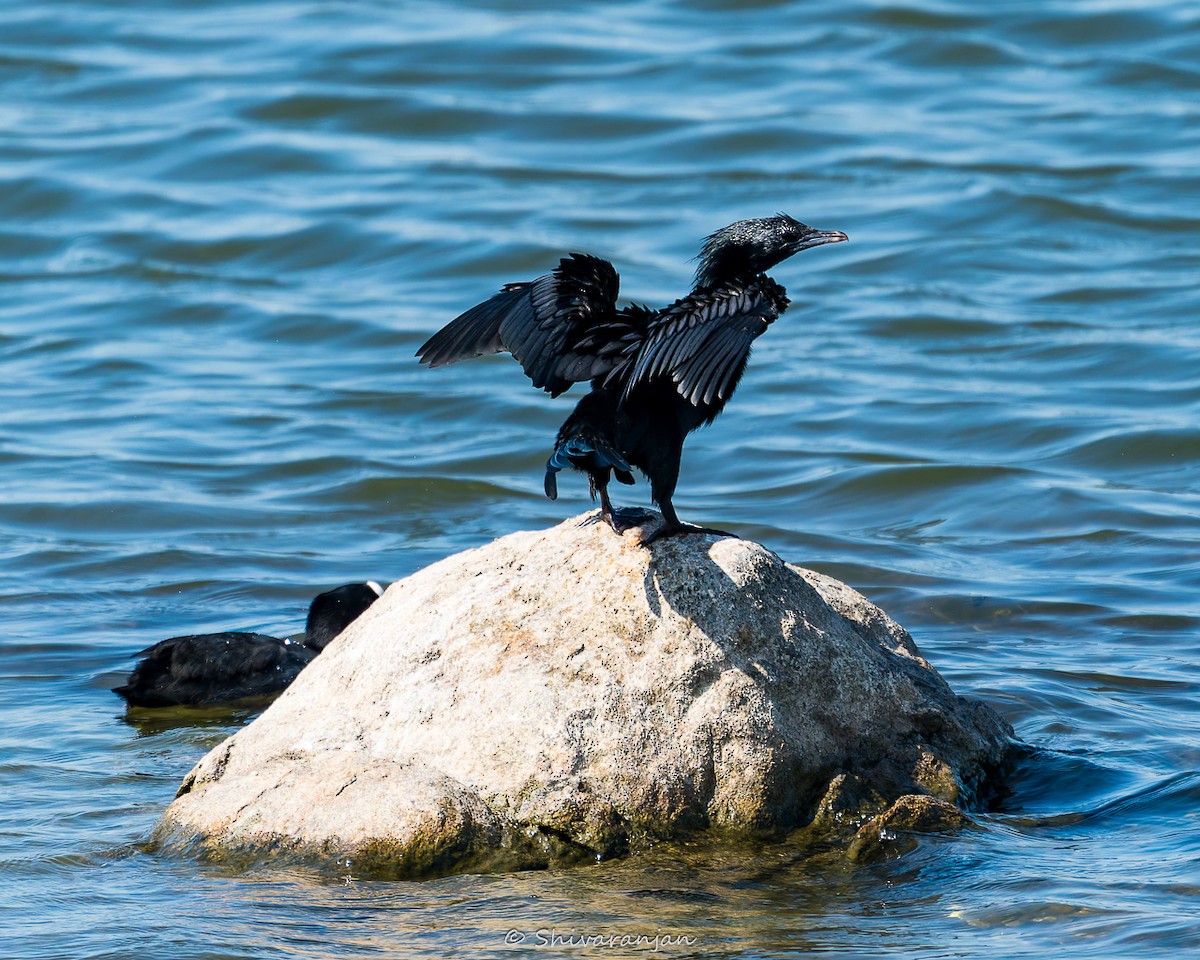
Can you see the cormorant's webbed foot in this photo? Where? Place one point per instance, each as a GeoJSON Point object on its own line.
{"type": "Point", "coordinates": [678, 528]}
{"type": "Point", "coordinates": [622, 519]}
{"type": "Point", "coordinates": [672, 526]}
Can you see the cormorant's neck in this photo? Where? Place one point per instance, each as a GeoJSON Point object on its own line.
{"type": "Point", "coordinates": [713, 279]}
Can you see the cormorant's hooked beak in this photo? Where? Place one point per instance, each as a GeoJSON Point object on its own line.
{"type": "Point", "coordinates": [817, 238]}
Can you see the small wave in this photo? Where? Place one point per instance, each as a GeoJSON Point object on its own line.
{"type": "Point", "coordinates": [1176, 796]}
{"type": "Point", "coordinates": [1139, 452]}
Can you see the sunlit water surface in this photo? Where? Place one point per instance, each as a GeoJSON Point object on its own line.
{"type": "Point", "coordinates": [225, 228]}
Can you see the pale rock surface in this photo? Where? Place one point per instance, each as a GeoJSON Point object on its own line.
{"type": "Point", "coordinates": [568, 693]}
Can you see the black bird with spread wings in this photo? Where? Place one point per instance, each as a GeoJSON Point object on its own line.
{"type": "Point", "coordinates": [656, 375]}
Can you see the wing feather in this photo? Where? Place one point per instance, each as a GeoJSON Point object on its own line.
{"type": "Point", "coordinates": [704, 367]}
{"type": "Point", "coordinates": [475, 332]}
{"type": "Point", "coordinates": [702, 342]}
{"type": "Point", "coordinates": [545, 324]}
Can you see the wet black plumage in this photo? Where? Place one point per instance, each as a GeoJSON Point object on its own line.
{"type": "Point", "coordinates": [212, 668]}
{"type": "Point", "coordinates": [656, 375]}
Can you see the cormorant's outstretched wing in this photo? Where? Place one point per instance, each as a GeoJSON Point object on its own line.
{"type": "Point", "coordinates": [541, 323]}
{"type": "Point", "coordinates": [702, 342]}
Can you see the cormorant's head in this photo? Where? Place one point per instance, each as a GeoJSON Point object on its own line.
{"type": "Point", "coordinates": [749, 247]}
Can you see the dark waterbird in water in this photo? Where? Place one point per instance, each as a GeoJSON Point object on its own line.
{"type": "Point", "coordinates": [214, 668]}
{"type": "Point", "coordinates": [656, 375]}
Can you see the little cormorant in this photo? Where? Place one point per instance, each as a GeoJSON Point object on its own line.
{"type": "Point", "coordinates": [656, 375]}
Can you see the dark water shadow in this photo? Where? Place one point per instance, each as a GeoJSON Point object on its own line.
{"type": "Point", "coordinates": [149, 722]}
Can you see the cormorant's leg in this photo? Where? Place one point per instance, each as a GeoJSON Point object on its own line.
{"type": "Point", "coordinates": [664, 474]}
{"type": "Point", "coordinates": [619, 520]}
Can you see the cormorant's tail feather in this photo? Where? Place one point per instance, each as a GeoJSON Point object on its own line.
{"type": "Point", "coordinates": [590, 452]}
{"type": "Point", "coordinates": [559, 460]}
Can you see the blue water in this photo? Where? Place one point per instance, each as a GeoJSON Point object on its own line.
{"type": "Point", "coordinates": [226, 227]}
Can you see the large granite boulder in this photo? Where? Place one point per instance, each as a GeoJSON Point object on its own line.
{"type": "Point", "coordinates": [568, 693]}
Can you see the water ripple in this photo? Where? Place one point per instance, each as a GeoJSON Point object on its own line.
{"type": "Point", "coordinates": [227, 227]}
